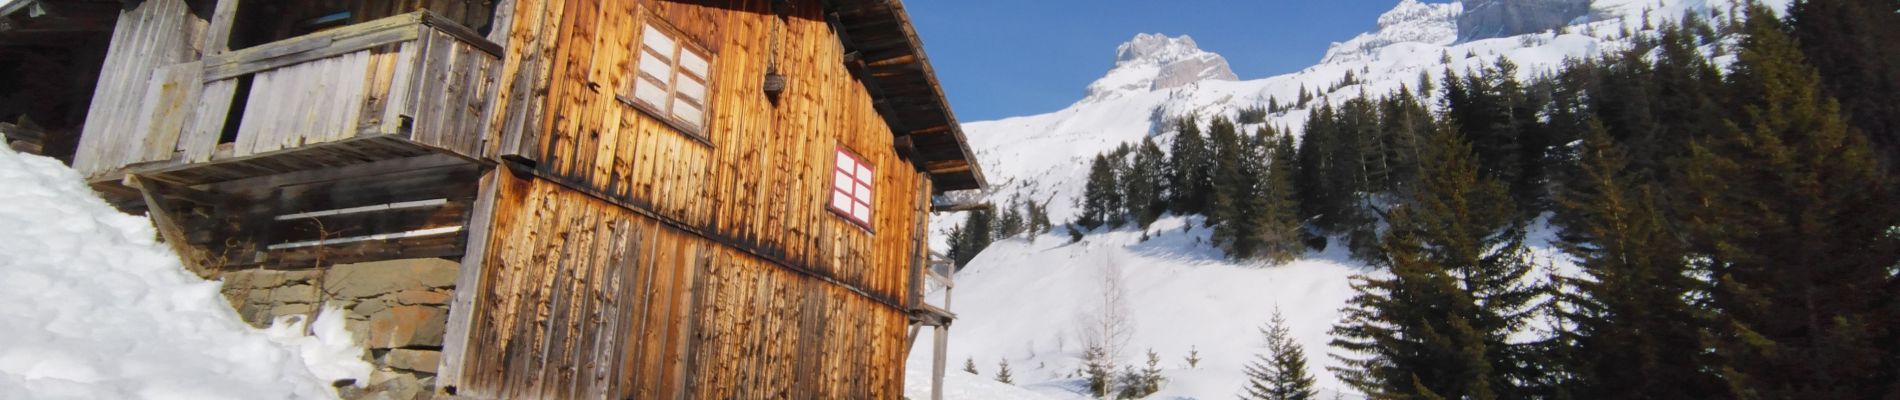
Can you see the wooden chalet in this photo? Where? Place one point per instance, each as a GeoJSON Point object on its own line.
{"type": "Point", "coordinates": [648, 199]}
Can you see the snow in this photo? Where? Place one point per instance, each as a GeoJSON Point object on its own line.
{"type": "Point", "coordinates": [1021, 301]}
{"type": "Point", "coordinates": [92, 307]}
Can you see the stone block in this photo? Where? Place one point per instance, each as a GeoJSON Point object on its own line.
{"type": "Point", "coordinates": [413, 360]}
{"type": "Point", "coordinates": [372, 279]}
{"type": "Point", "coordinates": [388, 385]}
{"type": "Point", "coordinates": [424, 297]}
{"type": "Point", "coordinates": [264, 278]}
{"type": "Point", "coordinates": [370, 307]}
{"type": "Point", "coordinates": [294, 294]}
{"type": "Point", "coordinates": [407, 326]}
{"type": "Point", "coordinates": [291, 309]}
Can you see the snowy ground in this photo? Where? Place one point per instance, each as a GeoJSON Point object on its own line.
{"type": "Point", "coordinates": [91, 307]}
{"type": "Point", "coordinates": [1026, 303]}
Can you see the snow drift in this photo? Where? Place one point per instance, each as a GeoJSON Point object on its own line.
{"type": "Point", "coordinates": [92, 307]}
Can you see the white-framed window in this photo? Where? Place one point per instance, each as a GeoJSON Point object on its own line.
{"type": "Point", "coordinates": [671, 79]}
{"type": "Point", "coordinates": [851, 184]}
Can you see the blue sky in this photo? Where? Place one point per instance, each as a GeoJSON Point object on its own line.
{"type": "Point", "coordinates": [1002, 58]}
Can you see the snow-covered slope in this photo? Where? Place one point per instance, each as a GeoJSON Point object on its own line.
{"type": "Point", "coordinates": [91, 307]}
{"type": "Point", "coordinates": [1021, 301]}
{"type": "Point", "coordinates": [1025, 302]}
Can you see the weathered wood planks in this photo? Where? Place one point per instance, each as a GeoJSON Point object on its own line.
{"type": "Point", "coordinates": [153, 35]}
{"type": "Point", "coordinates": [583, 298]}
{"type": "Point", "coordinates": [412, 76]}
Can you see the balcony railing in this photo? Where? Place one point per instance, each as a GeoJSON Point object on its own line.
{"type": "Point", "coordinates": [402, 86]}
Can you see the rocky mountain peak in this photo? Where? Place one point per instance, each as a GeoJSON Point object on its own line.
{"type": "Point", "coordinates": [1153, 61]}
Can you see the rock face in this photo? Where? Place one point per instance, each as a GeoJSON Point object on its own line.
{"type": "Point", "coordinates": [1486, 19]}
{"type": "Point", "coordinates": [1153, 61]}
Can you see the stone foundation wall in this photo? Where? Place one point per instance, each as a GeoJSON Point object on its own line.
{"type": "Point", "coordinates": [397, 311]}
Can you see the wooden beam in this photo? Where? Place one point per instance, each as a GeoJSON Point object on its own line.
{"type": "Point", "coordinates": [954, 207]}
{"type": "Point", "coordinates": [941, 351]}
{"type": "Point", "coordinates": [168, 228]}
{"type": "Point", "coordinates": [468, 282]}
{"type": "Point", "coordinates": [218, 33]}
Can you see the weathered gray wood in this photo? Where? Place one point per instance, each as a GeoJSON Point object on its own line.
{"type": "Point", "coordinates": [468, 284]}
{"type": "Point", "coordinates": [312, 176]}
{"type": "Point", "coordinates": [399, 103]}
{"type": "Point", "coordinates": [460, 33]}
{"type": "Point", "coordinates": [149, 36]}
{"type": "Point", "coordinates": [503, 20]}
{"type": "Point", "coordinates": [315, 46]}
{"type": "Point", "coordinates": [200, 134]}
{"type": "Point", "coordinates": [939, 353]}
{"type": "Point", "coordinates": [170, 98]}
{"type": "Point", "coordinates": [218, 32]}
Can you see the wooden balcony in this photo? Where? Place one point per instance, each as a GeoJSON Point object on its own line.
{"type": "Point", "coordinates": [405, 86]}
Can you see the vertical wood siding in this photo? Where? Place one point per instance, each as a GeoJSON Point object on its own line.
{"type": "Point", "coordinates": [761, 180]}
{"type": "Point", "coordinates": [586, 299]}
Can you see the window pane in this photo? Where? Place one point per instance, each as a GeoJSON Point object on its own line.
{"type": "Point", "coordinates": [649, 93]}
{"type": "Point", "coordinates": [840, 201]}
{"type": "Point", "coordinates": [864, 193]}
{"type": "Point", "coordinates": [655, 66]}
{"type": "Point", "coordinates": [688, 112]}
{"type": "Point", "coordinates": [842, 182]}
{"type": "Point", "coordinates": [658, 41]}
{"type": "Point", "coordinates": [864, 174]}
{"type": "Point", "coordinates": [692, 62]}
{"type": "Point", "coordinates": [691, 89]}
{"type": "Point", "coordinates": [862, 212]}
{"type": "Point", "coordinates": [846, 165]}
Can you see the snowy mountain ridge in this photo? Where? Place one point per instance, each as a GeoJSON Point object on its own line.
{"type": "Point", "coordinates": [1152, 62]}
{"type": "Point", "coordinates": [1020, 300]}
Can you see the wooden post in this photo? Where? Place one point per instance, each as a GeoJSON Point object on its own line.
{"type": "Point", "coordinates": [941, 345]}
{"type": "Point", "coordinates": [168, 229]}
{"type": "Point", "coordinates": [468, 284]}
{"type": "Point", "coordinates": [218, 33]}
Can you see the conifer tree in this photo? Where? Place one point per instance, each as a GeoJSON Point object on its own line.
{"type": "Point", "coordinates": [1143, 182]}
{"type": "Point", "coordinates": [1280, 372]}
{"type": "Point", "coordinates": [1101, 200]}
{"type": "Point", "coordinates": [1855, 46]}
{"type": "Point", "coordinates": [1440, 325]}
{"type": "Point", "coordinates": [971, 237]}
{"type": "Point", "coordinates": [1193, 357]}
{"type": "Point", "coordinates": [1231, 210]}
{"type": "Point", "coordinates": [1098, 371]}
{"type": "Point", "coordinates": [1038, 219]}
{"type": "Point", "coordinates": [1630, 329]}
{"type": "Point", "coordinates": [1404, 124]}
{"type": "Point", "coordinates": [1790, 218]}
{"type": "Point", "coordinates": [969, 365]}
{"type": "Point", "coordinates": [1003, 373]}
{"type": "Point", "coordinates": [1278, 219]}
{"type": "Point", "coordinates": [1011, 221]}
{"type": "Point", "coordinates": [1189, 164]}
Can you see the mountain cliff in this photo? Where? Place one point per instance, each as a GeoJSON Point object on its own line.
{"type": "Point", "coordinates": [1487, 19]}
{"type": "Point", "coordinates": [1152, 62]}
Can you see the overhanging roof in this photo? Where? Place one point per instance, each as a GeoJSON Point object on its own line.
{"type": "Point", "coordinates": [888, 57]}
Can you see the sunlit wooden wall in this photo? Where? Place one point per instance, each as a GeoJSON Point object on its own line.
{"type": "Point", "coordinates": [641, 261]}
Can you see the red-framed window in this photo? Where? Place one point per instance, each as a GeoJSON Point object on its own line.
{"type": "Point", "coordinates": [851, 184]}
